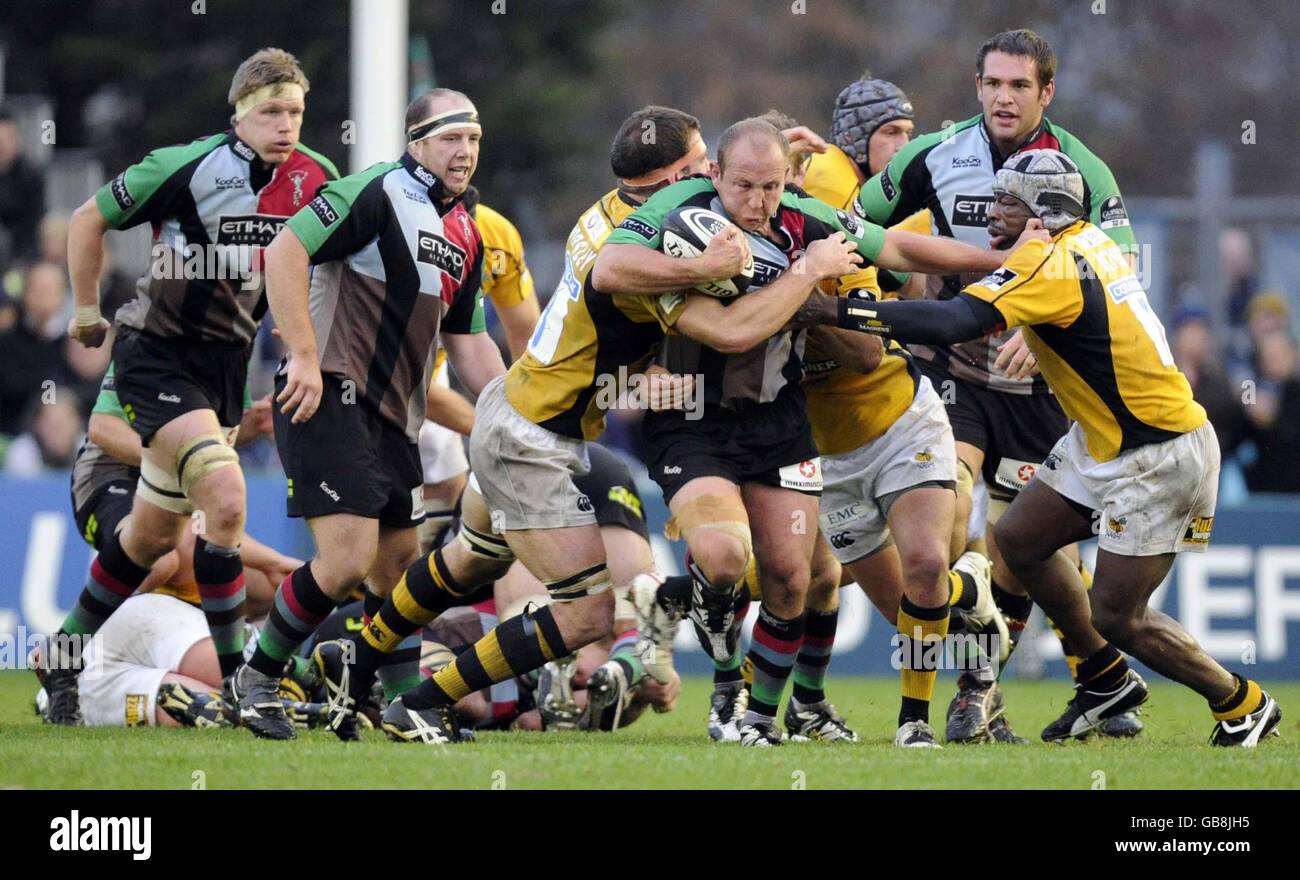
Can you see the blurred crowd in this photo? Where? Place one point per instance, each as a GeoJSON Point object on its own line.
{"type": "Point", "coordinates": [1245, 373]}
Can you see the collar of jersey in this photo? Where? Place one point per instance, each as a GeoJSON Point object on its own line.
{"type": "Point", "coordinates": [435, 189]}
{"type": "Point", "coordinates": [1029, 138]}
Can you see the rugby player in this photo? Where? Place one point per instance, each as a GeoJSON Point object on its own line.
{"type": "Point", "coordinates": [1003, 416]}
{"type": "Point", "coordinates": [751, 459]}
{"type": "Point", "coordinates": [1139, 467]}
{"type": "Point", "coordinates": [398, 267]}
{"type": "Point", "coordinates": [888, 459]}
{"type": "Point", "coordinates": [182, 345]}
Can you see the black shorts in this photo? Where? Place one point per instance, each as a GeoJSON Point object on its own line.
{"type": "Point", "coordinates": [348, 459]}
{"type": "Point", "coordinates": [612, 491]}
{"type": "Point", "coordinates": [159, 379]}
{"type": "Point", "coordinates": [752, 447]}
{"type": "Point", "coordinates": [1013, 430]}
{"type": "Point", "coordinates": [103, 511]}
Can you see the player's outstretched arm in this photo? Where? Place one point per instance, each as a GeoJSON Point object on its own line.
{"type": "Point", "coordinates": [445, 407]}
{"type": "Point", "coordinates": [757, 316]}
{"type": "Point", "coordinates": [287, 283]}
{"type": "Point", "coordinates": [635, 268]}
{"type": "Point", "coordinates": [85, 261]}
{"type": "Point", "coordinates": [860, 352]}
{"type": "Point", "coordinates": [938, 255]}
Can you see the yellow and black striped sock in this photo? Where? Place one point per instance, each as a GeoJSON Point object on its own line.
{"type": "Point", "coordinates": [1244, 699]}
{"type": "Point", "coordinates": [1104, 670]}
{"type": "Point", "coordinates": [519, 645]}
{"type": "Point", "coordinates": [921, 632]}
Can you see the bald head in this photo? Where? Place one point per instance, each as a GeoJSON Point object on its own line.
{"type": "Point", "coordinates": [757, 135]}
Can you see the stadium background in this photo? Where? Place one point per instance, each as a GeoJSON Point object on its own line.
{"type": "Point", "coordinates": [1191, 105]}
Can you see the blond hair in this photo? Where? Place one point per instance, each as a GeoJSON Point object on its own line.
{"type": "Point", "coordinates": [263, 68]}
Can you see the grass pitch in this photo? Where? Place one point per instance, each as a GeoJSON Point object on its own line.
{"type": "Point", "coordinates": [661, 751]}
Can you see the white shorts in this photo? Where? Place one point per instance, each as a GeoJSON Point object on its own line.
{"type": "Point", "coordinates": [917, 449]}
{"type": "Point", "coordinates": [526, 472]}
{"type": "Point", "coordinates": [1155, 499]}
{"type": "Point", "coordinates": [442, 450]}
{"type": "Point", "coordinates": [144, 639]}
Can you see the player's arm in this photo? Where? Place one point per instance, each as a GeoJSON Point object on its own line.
{"type": "Point", "coordinates": [519, 322]}
{"type": "Point", "coordinates": [637, 268]}
{"type": "Point", "coordinates": [112, 434]}
{"type": "Point", "coordinates": [860, 352]}
{"type": "Point", "coordinates": [475, 358]}
{"type": "Point", "coordinates": [274, 564]}
{"type": "Point", "coordinates": [752, 318]}
{"type": "Point", "coordinates": [449, 409]}
{"type": "Point", "coordinates": [935, 254]}
{"type": "Point", "coordinates": [287, 283]}
{"type": "Point", "coordinates": [255, 422]}
{"type": "Point", "coordinates": [85, 261]}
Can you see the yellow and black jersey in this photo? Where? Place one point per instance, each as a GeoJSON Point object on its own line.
{"type": "Point", "coordinates": [849, 409]}
{"type": "Point", "coordinates": [1099, 345]}
{"type": "Point", "coordinates": [563, 381]}
{"type": "Point", "coordinates": [506, 278]}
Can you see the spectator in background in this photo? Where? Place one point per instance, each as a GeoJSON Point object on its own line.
{"type": "Point", "coordinates": [1237, 261]}
{"type": "Point", "coordinates": [1194, 352]}
{"type": "Point", "coordinates": [51, 442]}
{"type": "Point", "coordinates": [22, 197]}
{"type": "Point", "coordinates": [1273, 416]}
{"type": "Point", "coordinates": [33, 346]}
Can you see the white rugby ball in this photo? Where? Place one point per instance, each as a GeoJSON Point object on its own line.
{"type": "Point", "coordinates": [687, 232]}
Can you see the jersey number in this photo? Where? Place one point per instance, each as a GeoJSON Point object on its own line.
{"type": "Point", "coordinates": [1128, 291]}
{"type": "Point", "coordinates": [546, 338]}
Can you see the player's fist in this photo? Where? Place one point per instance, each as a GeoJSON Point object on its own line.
{"type": "Point", "coordinates": [1033, 231]}
{"type": "Point", "coordinates": [89, 335]}
{"type": "Point", "coordinates": [727, 253]}
{"type": "Point", "coordinates": [831, 257]}
{"type": "Point", "coordinates": [302, 389]}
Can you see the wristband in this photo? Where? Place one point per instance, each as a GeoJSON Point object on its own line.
{"type": "Point", "coordinates": [88, 316]}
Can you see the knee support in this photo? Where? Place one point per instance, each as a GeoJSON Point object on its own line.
{"type": "Point", "coordinates": [201, 456]}
{"type": "Point", "coordinates": [484, 545]}
{"type": "Point", "coordinates": [965, 479]}
{"type": "Point", "coordinates": [712, 512]}
{"type": "Point", "coordinates": [161, 489]}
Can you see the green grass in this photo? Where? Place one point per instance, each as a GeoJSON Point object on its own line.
{"type": "Point", "coordinates": [667, 751]}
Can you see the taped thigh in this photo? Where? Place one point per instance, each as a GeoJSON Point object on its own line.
{"type": "Point", "coordinates": [588, 582]}
{"type": "Point", "coordinates": [712, 512]}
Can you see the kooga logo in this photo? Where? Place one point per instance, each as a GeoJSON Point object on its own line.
{"type": "Point", "coordinates": [435, 249]}
{"type": "Point", "coordinates": [77, 833]}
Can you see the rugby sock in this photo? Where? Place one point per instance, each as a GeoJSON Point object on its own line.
{"type": "Point", "coordinates": [1245, 698]}
{"type": "Point", "coordinates": [623, 652]}
{"type": "Point", "coordinates": [776, 642]}
{"type": "Point", "coordinates": [737, 667]}
{"type": "Point", "coordinates": [918, 629]}
{"type": "Point", "coordinates": [1103, 671]}
{"type": "Point", "coordinates": [809, 685]}
{"type": "Point", "coordinates": [1016, 610]}
{"type": "Point", "coordinates": [965, 592]}
{"type": "Point", "coordinates": [219, 574]}
{"type": "Point", "coordinates": [519, 645]}
{"type": "Point", "coordinates": [113, 577]}
{"type": "Point", "coordinates": [399, 670]}
{"type": "Point", "coordinates": [426, 590]}
{"type": "Point", "coordinates": [300, 605]}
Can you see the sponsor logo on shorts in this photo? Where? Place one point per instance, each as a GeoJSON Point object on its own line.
{"type": "Point", "coordinates": [584, 504]}
{"type": "Point", "coordinates": [137, 710]}
{"type": "Point", "coordinates": [924, 459]}
{"type": "Point", "coordinates": [805, 476]}
{"type": "Point", "coordinates": [844, 514]}
{"type": "Point", "coordinates": [324, 211]}
{"type": "Point", "coordinates": [887, 185]}
{"type": "Point", "coordinates": [1026, 472]}
{"type": "Point", "coordinates": [437, 251]}
{"type": "Point", "coordinates": [971, 210]}
{"type": "Point", "coordinates": [1115, 525]}
{"type": "Point", "coordinates": [1012, 473]}
{"type": "Point", "coordinates": [626, 497]}
{"type": "Point", "coordinates": [840, 540]}
{"type": "Point", "coordinates": [672, 469]}
{"type": "Point", "coordinates": [1113, 213]}
{"type": "Point", "coordinates": [639, 227]}
{"type": "Point", "coordinates": [168, 398]}
{"type": "Point", "coordinates": [1198, 531]}
{"type": "Point", "coordinates": [121, 194]}
{"type": "Point", "coordinates": [324, 487]}
{"type": "Point", "coordinates": [998, 279]}
{"type": "Point", "coordinates": [118, 490]}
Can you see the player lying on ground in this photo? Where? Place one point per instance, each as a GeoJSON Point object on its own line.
{"type": "Point", "coordinates": [1139, 467]}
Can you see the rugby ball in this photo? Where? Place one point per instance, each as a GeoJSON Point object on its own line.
{"type": "Point", "coordinates": [687, 232]}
